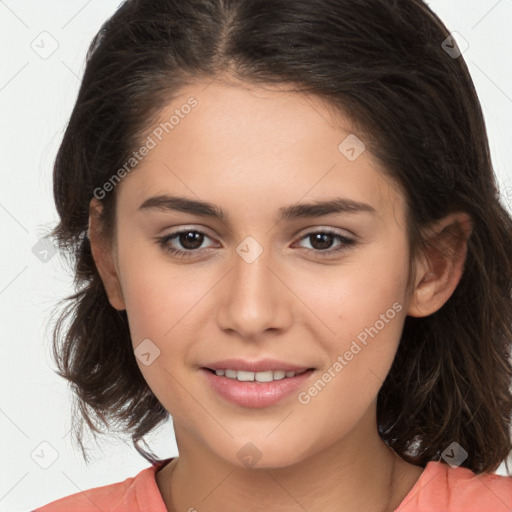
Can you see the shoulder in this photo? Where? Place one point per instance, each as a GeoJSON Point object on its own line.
{"type": "Point", "coordinates": [134, 494]}
{"type": "Point", "coordinates": [443, 488]}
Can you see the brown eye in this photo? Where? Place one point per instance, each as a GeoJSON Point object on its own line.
{"type": "Point", "coordinates": [321, 242]}
{"type": "Point", "coordinates": [183, 244]}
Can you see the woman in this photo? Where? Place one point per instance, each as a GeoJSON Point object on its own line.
{"type": "Point", "coordinates": [288, 237]}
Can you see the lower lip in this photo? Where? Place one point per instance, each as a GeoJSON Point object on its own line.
{"type": "Point", "coordinates": [255, 394]}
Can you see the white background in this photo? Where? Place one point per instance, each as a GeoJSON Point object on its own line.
{"type": "Point", "coordinates": [36, 99]}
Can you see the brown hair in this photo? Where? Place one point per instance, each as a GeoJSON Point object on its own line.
{"type": "Point", "coordinates": [384, 64]}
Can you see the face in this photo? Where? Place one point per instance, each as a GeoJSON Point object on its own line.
{"type": "Point", "coordinates": [315, 289]}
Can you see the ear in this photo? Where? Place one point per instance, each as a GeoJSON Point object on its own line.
{"type": "Point", "coordinates": [442, 265]}
{"type": "Point", "coordinates": [103, 255]}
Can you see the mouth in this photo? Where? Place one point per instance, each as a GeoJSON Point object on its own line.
{"type": "Point", "coordinates": [255, 384]}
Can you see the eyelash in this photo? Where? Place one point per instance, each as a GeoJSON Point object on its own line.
{"type": "Point", "coordinates": [163, 242]}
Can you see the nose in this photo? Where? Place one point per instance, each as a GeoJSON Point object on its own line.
{"type": "Point", "coordinates": [253, 297]}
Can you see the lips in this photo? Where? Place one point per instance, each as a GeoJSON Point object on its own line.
{"type": "Point", "coordinates": [248, 384]}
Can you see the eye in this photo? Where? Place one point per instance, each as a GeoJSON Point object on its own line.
{"type": "Point", "coordinates": [190, 239]}
{"type": "Point", "coordinates": [322, 241]}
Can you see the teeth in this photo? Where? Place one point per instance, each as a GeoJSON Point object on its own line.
{"type": "Point", "coordinates": [264, 376]}
{"type": "Point", "coordinates": [244, 376]}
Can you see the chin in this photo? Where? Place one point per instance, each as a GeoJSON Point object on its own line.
{"type": "Point", "coordinates": [264, 455]}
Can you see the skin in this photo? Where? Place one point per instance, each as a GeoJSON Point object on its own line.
{"type": "Point", "coordinates": [251, 151]}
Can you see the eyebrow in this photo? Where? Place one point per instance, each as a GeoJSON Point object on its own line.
{"type": "Point", "coordinates": [166, 202]}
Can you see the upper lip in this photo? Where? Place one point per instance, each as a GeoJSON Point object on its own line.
{"type": "Point", "coordinates": [261, 365]}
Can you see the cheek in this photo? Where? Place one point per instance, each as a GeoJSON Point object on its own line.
{"type": "Point", "coordinates": [163, 302]}
{"type": "Point", "coordinates": [360, 355]}
{"type": "Point", "coordinates": [159, 304]}
{"type": "Point", "coordinates": [348, 298]}
{"type": "Point", "coordinates": [365, 308]}
{"type": "Point", "coordinates": [157, 294]}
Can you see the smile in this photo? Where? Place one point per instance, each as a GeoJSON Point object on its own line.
{"type": "Point", "coordinates": [255, 389]}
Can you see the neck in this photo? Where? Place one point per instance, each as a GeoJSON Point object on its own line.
{"type": "Point", "coordinates": [346, 476]}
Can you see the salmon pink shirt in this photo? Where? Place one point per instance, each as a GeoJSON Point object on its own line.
{"type": "Point", "coordinates": [440, 488]}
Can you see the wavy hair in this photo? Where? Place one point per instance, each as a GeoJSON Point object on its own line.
{"type": "Point", "coordinates": [387, 65]}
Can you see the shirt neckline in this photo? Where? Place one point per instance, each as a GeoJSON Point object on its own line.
{"type": "Point", "coordinates": [430, 471]}
{"type": "Point", "coordinates": [428, 474]}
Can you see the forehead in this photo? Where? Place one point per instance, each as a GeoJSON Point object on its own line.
{"type": "Point", "coordinates": [256, 146]}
